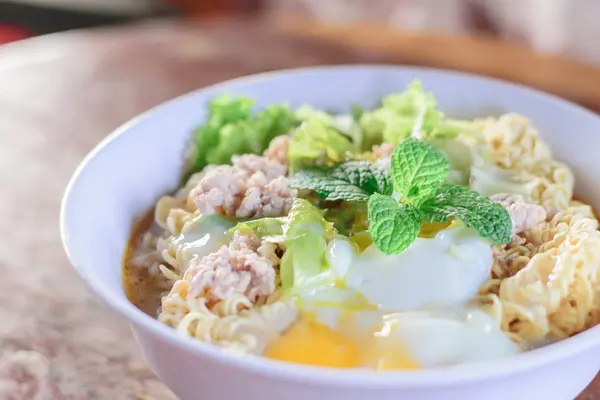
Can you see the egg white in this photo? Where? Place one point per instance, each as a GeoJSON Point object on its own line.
{"type": "Point", "coordinates": [446, 337]}
{"type": "Point", "coordinates": [447, 269]}
{"type": "Point", "coordinates": [416, 300]}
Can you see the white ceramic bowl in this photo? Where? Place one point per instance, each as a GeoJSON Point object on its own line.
{"type": "Point", "coordinates": [125, 174]}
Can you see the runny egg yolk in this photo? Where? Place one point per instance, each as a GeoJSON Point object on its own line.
{"type": "Point", "coordinates": [310, 342]}
{"type": "Point", "coordinates": [313, 343]}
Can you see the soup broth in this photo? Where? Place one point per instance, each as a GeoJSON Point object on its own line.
{"type": "Point", "coordinates": [142, 287]}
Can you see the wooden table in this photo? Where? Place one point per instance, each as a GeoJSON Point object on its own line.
{"type": "Point", "coordinates": [60, 94]}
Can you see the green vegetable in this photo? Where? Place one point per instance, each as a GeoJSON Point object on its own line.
{"type": "Point", "coordinates": [349, 218]}
{"type": "Point", "coordinates": [395, 119]}
{"type": "Point", "coordinates": [489, 219]}
{"type": "Point", "coordinates": [230, 141]}
{"type": "Point", "coordinates": [348, 125]}
{"type": "Point", "coordinates": [394, 227]}
{"type": "Point", "coordinates": [315, 143]}
{"type": "Point", "coordinates": [304, 264]}
{"type": "Point", "coordinates": [307, 112]}
{"type": "Point", "coordinates": [222, 110]}
{"type": "Point", "coordinates": [357, 112]}
{"type": "Point", "coordinates": [226, 109]}
{"type": "Point", "coordinates": [384, 125]}
{"type": "Point", "coordinates": [417, 172]}
{"type": "Point", "coordinates": [232, 129]}
{"type": "Point", "coordinates": [367, 176]}
{"type": "Point", "coordinates": [448, 127]}
{"type": "Point", "coordinates": [261, 227]}
{"type": "Point", "coordinates": [271, 122]}
{"type": "Point", "coordinates": [350, 181]}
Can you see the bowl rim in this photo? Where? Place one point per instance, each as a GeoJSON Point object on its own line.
{"type": "Point", "coordinates": [352, 378]}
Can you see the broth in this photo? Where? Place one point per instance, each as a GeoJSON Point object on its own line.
{"type": "Point", "coordinates": [141, 288]}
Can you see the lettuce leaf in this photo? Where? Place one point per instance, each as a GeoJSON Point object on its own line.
{"type": "Point", "coordinates": [356, 112]}
{"type": "Point", "coordinates": [306, 112]}
{"type": "Point", "coordinates": [231, 128]}
{"type": "Point", "coordinates": [316, 143]}
{"type": "Point", "coordinates": [273, 121]}
{"type": "Point", "coordinates": [261, 227]}
{"type": "Point", "coordinates": [346, 124]}
{"type": "Point", "coordinates": [394, 120]}
{"type": "Point", "coordinates": [222, 110]}
{"type": "Point", "coordinates": [384, 125]}
{"type": "Point", "coordinates": [304, 264]}
{"type": "Point", "coordinates": [226, 109]}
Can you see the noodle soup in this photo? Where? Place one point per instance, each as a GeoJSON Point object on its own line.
{"type": "Point", "coordinates": [394, 238]}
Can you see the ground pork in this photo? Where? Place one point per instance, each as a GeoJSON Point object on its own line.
{"type": "Point", "coordinates": [253, 186]}
{"type": "Point", "coordinates": [220, 190]}
{"type": "Point", "coordinates": [236, 269]}
{"type": "Point", "coordinates": [271, 200]}
{"type": "Point", "coordinates": [383, 150]}
{"type": "Point", "coordinates": [524, 216]}
{"type": "Point", "coordinates": [250, 164]}
{"type": "Point", "coordinates": [278, 150]}
{"type": "Point", "coordinates": [383, 153]}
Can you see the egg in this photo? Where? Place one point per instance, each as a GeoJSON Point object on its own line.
{"type": "Point", "coordinates": [445, 337]}
{"type": "Point", "coordinates": [447, 269]}
{"type": "Point", "coordinates": [399, 312]}
{"type": "Point", "coordinates": [314, 343]}
{"type": "Point", "coordinates": [340, 254]}
{"type": "Point", "coordinates": [202, 236]}
{"type": "Point", "coordinates": [330, 338]}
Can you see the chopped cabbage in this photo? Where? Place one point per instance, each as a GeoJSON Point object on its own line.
{"type": "Point", "coordinates": [316, 143]}
{"type": "Point", "coordinates": [399, 113]}
{"type": "Point", "coordinates": [304, 265]}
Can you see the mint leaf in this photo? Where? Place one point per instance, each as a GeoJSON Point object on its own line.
{"type": "Point", "coordinates": [350, 181]}
{"type": "Point", "coordinates": [393, 226]}
{"type": "Point", "coordinates": [417, 170]}
{"type": "Point", "coordinates": [327, 187]}
{"type": "Point", "coordinates": [365, 175]}
{"type": "Point", "coordinates": [489, 219]}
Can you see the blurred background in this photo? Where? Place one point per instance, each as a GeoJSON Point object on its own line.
{"type": "Point", "coordinates": [567, 27]}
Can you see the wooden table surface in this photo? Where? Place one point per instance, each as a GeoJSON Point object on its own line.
{"type": "Point", "coordinates": [61, 94]}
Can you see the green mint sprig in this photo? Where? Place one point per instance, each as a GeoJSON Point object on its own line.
{"type": "Point", "coordinates": [393, 226]}
{"type": "Point", "coordinates": [418, 171]}
{"type": "Point", "coordinates": [349, 181]}
{"type": "Point", "coordinates": [489, 219]}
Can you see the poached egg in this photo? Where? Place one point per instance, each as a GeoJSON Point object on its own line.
{"type": "Point", "coordinates": [404, 311]}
